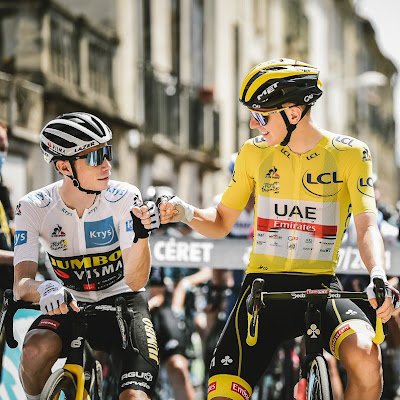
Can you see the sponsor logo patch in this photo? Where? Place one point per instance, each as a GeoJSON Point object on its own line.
{"type": "Point", "coordinates": [100, 233]}
{"type": "Point", "coordinates": [129, 225]}
{"type": "Point", "coordinates": [18, 209]}
{"type": "Point", "coordinates": [212, 386]}
{"type": "Point", "coordinates": [57, 231]}
{"type": "Point", "coordinates": [91, 272]}
{"type": "Point", "coordinates": [366, 186]}
{"type": "Point", "coordinates": [235, 387]}
{"type": "Point", "coordinates": [337, 335]}
{"type": "Point", "coordinates": [20, 237]}
{"type": "Point", "coordinates": [49, 323]}
{"type": "Point", "coordinates": [114, 194]}
{"type": "Point", "coordinates": [60, 245]}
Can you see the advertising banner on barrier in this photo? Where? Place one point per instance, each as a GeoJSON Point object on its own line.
{"type": "Point", "coordinates": [234, 254]}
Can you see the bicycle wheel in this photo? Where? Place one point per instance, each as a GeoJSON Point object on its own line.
{"type": "Point", "coordinates": [318, 383]}
{"type": "Point", "coordinates": [96, 389]}
{"type": "Point", "coordinates": [60, 386]}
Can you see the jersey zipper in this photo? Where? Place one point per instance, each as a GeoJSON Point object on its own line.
{"type": "Point", "coordinates": [82, 242]}
{"type": "Point", "coordinates": [298, 162]}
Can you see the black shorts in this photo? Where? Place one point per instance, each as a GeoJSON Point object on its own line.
{"type": "Point", "coordinates": [172, 335]}
{"type": "Point", "coordinates": [278, 321]}
{"type": "Point", "coordinates": [138, 371]}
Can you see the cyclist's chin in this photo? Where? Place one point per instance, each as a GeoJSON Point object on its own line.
{"type": "Point", "coordinates": [103, 183]}
{"type": "Point", "coordinates": [270, 139]}
{"type": "Point", "coordinates": [98, 185]}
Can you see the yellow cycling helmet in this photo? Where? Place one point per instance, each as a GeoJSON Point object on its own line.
{"type": "Point", "coordinates": [275, 82]}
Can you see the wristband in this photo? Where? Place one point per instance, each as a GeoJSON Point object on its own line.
{"type": "Point", "coordinates": [378, 272]}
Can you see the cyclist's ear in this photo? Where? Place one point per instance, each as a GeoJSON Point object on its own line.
{"type": "Point", "coordinates": [63, 167]}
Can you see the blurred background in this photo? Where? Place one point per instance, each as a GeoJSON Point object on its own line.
{"type": "Point", "coordinates": [165, 74]}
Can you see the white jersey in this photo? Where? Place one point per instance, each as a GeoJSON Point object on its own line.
{"type": "Point", "coordinates": [84, 253]}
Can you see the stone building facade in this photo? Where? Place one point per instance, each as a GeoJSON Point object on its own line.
{"type": "Point", "coordinates": [165, 75]}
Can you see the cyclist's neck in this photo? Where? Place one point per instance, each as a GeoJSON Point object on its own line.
{"type": "Point", "coordinates": [305, 137]}
{"type": "Point", "coordinates": [75, 199]}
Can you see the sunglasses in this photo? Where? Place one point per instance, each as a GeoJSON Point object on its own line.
{"type": "Point", "coordinates": [96, 157]}
{"type": "Point", "coordinates": [262, 117]}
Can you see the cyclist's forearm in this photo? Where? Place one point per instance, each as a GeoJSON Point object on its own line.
{"type": "Point", "coordinates": [137, 264]}
{"type": "Point", "coordinates": [26, 289]}
{"type": "Point", "coordinates": [209, 223]}
{"type": "Point", "coordinates": [25, 285]}
{"type": "Point", "coordinates": [371, 247]}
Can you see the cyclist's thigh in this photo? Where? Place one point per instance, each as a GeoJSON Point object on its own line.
{"type": "Point", "coordinates": [245, 363]}
{"type": "Point", "coordinates": [344, 318]}
{"type": "Point", "coordinates": [59, 324]}
{"type": "Point", "coordinates": [139, 369]}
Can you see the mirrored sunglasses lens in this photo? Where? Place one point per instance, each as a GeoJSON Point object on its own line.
{"type": "Point", "coordinates": [107, 153]}
{"type": "Point", "coordinates": [261, 119]}
{"type": "Point", "coordinates": [95, 158]}
{"type": "Point", "coordinates": [91, 159]}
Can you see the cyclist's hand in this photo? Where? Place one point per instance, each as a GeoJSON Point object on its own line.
{"type": "Point", "coordinates": [55, 298]}
{"type": "Point", "coordinates": [392, 296]}
{"type": "Point", "coordinates": [174, 209]}
{"type": "Point", "coordinates": [145, 219]}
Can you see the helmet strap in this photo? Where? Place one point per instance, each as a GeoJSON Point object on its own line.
{"type": "Point", "coordinates": [77, 184]}
{"type": "Point", "coordinates": [291, 127]}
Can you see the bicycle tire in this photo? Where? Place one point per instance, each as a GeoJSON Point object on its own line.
{"type": "Point", "coordinates": [97, 389]}
{"type": "Point", "coordinates": [60, 381]}
{"type": "Point", "coordinates": [318, 382]}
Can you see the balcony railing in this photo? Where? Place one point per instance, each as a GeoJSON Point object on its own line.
{"type": "Point", "coordinates": [79, 54]}
{"type": "Point", "coordinates": [161, 106]}
{"type": "Point", "coordinates": [64, 49]}
{"type": "Point", "coordinates": [180, 113]}
{"type": "Point", "coordinates": [21, 106]}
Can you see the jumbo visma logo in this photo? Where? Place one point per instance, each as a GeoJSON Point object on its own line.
{"type": "Point", "coordinates": [100, 233]}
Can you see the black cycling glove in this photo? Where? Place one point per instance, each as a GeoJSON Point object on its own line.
{"type": "Point", "coordinates": [140, 231]}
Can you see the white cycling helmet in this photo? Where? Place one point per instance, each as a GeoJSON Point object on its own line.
{"type": "Point", "coordinates": [71, 133]}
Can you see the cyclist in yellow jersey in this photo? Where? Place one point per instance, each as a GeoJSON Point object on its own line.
{"type": "Point", "coordinates": [307, 182]}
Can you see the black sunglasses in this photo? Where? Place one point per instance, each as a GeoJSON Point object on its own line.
{"type": "Point", "coordinates": [96, 157]}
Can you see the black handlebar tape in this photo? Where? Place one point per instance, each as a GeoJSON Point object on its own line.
{"type": "Point", "coordinates": [255, 295]}
{"type": "Point", "coordinates": [380, 293]}
{"type": "Point", "coordinates": [8, 321]}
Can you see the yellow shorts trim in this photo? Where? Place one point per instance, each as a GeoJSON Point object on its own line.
{"type": "Point", "coordinates": [346, 329]}
{"type": "Point", "coordinates": [231, 386]}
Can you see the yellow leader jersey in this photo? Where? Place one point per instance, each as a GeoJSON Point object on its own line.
{"type": "Point", "coordinates": [303, 202]}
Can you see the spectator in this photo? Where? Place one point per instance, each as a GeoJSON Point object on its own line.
{"type": "Point", "coordinates": [6, 248]}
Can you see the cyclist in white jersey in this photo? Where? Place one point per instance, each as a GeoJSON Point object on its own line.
{"type": "Point", "coordinates": [97, 249]}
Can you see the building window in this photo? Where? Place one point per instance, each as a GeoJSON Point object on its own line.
{"type": "Point", "coordinates": [100, 69]}
{"type": "Point", "coordinates": [64, 49]}
{"type": "Point", "coordinates": [197, 42]}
